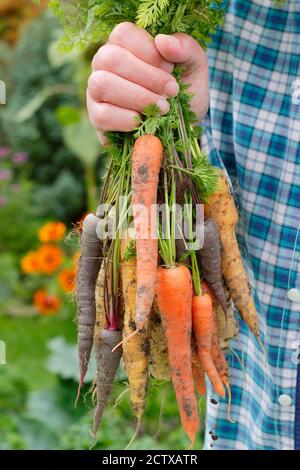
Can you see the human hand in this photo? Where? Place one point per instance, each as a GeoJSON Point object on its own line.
{"type": "Point", "coordinates": [133, 70]}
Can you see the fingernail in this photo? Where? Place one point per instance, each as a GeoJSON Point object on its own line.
{"type": "Point", "coordinates": [172, 40]}
{"type": "Point", "coordinates": [171, 88]}
{"type": "Point", "coordinates": [163, 105]}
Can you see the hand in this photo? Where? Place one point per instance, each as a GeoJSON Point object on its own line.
{"type": "Point", "coordinates": [134, 70]}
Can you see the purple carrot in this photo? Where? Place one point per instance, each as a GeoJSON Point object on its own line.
{"type": "Point", "coordinates": [210, 262]}
{"type": "Point", "coordinates": [87, 273]}
{"type": "Point", "coordinates": [107, 366]}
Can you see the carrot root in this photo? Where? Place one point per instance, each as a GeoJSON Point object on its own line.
{"type": "Point", "coordinates": [221, 209]}
{"type": "Point", "coordinates": [229, 403]}
{"type": "Point", "coordinates": [174, 301]}
{"type": "Point", "coordinates": [107, 365]}
{"type": "Point", "coordinates": [146, 162]}
{"type": "Point", "coordinates": [203, 326]}
{"type": "Point", "coordinates": [88, 269]}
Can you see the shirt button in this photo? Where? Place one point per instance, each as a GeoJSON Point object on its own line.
{"type": "Point", "coordinates": [294, 295]}
{"type": "Point", "coordinates": [285, 400]}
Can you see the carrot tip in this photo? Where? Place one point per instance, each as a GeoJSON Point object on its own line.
{"type": "Point", "coordinates": [263, 350]}
{"type": "Point", "coordinates": [79, 389]}
{"type": "Point", "coordinates": [134, 435]}
{"type": "Point", "coordinates": [93, 443]}
{"type": "Point", "coordinates": [191, 444]}
{"type": "Point", "coordinates": [229, 403]}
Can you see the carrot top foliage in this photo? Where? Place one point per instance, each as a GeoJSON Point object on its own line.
{"type": "Point", "coordinates": [86, 21]}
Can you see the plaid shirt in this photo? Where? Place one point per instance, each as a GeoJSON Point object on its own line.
{"type": "Point", "coordinates": [253, 129]}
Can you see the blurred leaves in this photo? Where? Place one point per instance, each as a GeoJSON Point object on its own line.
{"type": "Point", "coordinates": [30, 108]}
{"type": "Point", "coordinates": [19, 222]}
{"type": "Point", "coordinates": [81, 139]}
{"type": "Point", "coordinates": [67, 115]}
{"type": "Point", "coordinates": [61, 200]}
{"type": "Point", "coordinates": [36, 436]}
{"type": "Point", "coordinates": [38, 413]}
{"type": "Point", "coordinates": [63, 361]}
{"type": "Point", "coordinates": [57, 58]}
{"type": "Point", "coordinates": [35, 89]}
{"type": "Point", "coordinates": [9, 276]}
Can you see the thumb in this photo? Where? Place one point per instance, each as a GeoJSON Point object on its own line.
{"type": "Point", "coordinates": [180, 48]}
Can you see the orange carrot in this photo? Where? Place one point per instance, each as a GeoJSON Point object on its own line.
{"type": "Point", "coordinates": [146, 163]}
{"type": "Point", "coordinates": [198, 374]}
{"type": "Point", "coordinates": [217, 352]}
{"type": "Point", "coordinates": [221, 209]}
{"type": "Point", "coordinates": [202, 313]}
{"type": "Point", "coordinates": [220, 362]}
{"type": "Point", "coordinates": [174, 301]}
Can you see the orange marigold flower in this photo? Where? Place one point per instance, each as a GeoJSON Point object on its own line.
{"type": "Point", "coordinates": [45, 303]}
{"type": "Point", "coordinates": [66, 279]}
{"type": "Point", "coordinates": [30, 263]}
{"type": "Point", "coordinates": [50, 258]}
{"type": "Point", "coordinates": [52, 232]}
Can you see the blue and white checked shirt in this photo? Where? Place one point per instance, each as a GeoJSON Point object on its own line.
{"type": "Point", "coordinates": [254, 130]}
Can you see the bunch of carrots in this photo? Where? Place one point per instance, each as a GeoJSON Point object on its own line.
{"type": "Point", "coordinates": [144, 291]}
{"type": "Point", "coordinates": [151, 300]}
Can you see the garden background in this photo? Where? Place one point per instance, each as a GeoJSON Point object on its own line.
{"type": "Point", "coordinates": [51, 166]}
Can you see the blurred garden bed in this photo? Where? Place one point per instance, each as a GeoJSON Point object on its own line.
{"type": "Point", "coordinates": [37, 393]}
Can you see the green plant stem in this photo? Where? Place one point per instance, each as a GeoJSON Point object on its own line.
{"type": "Point", "coordinates": [167, 246]}
{"type": "Point", "coordinates": [183, 135]}
{"type": "Point", "coordinates": [193, 256]}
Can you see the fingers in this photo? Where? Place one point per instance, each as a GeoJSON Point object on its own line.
{"type": "Point", "coordinates": [134, 70]}
{"type": "Point", "coordinates": [140, 43]}
{"type": "Point", "coordinates": [185, 51]}
{"type": "Point", "coordinates": [108, 117]}
{"type": "Point", "coordinates": [107, 87]}
{"type": "Point", "coordinates": [128, 75]}
{"type": "Point", "coordinates": [182, 49]}
{"type": "Point", "coordinates": [123, 63]}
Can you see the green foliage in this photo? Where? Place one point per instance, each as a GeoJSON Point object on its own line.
{"type": "Point", "coordinates": [19, 223]}
{"type": "Point", "coordinates": [80, 137]}
{"type": "Point", "coordinates": [13, 392]}
{"type": "Point", "coordinates": [85, 21]}
{"type": "Point", "coordinates": [27, 70]}
{"type": "Point", "coordinates": [67, 115]}
{"type": "Point", "coordinates": [130, 251]}
{"type": "Point", "coordinates": [9, 276]}
{"type": "Point", "coordinates": [197, 18]}
{"type": "Point", "coordinates": [37, 406]}
{"type": "Point", "coordinates": [150, 12]}
{"type": "Point", "coordinates": [63, 200]}
{"type": "Point", "coordinates": [176, 130]}
{"type": "Point", "coordinates": [151, 121]}
{"type": "Point", "coordinates": [68, 368]}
